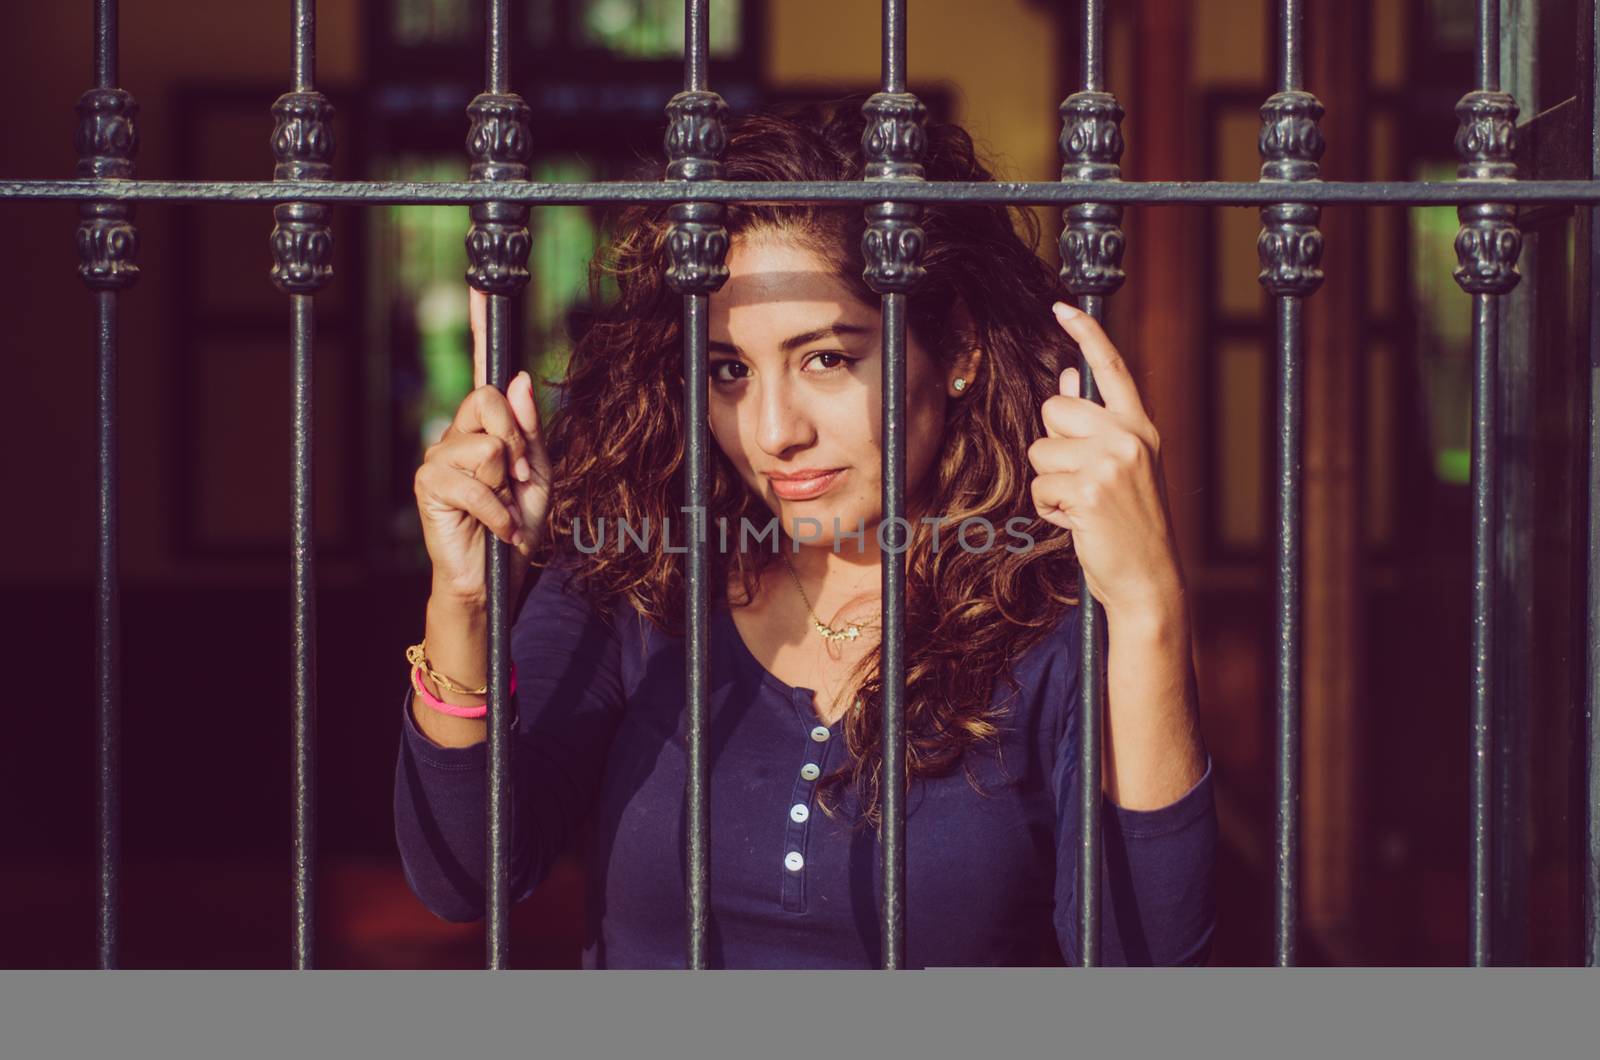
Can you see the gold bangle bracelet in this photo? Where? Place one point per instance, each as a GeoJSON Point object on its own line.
{"type": "Point", "coordinates": [416, 657]}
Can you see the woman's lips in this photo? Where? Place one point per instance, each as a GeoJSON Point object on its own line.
{"type": "Point", "coordinates": [804, 489]}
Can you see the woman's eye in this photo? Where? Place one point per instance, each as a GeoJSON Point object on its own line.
{"type": "Point", "coordinates": [716, 369]}
{"type": "Point", "coordinates": [838, 359]}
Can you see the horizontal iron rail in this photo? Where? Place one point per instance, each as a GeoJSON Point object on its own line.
{"type": "Point", "coordinates": [1058, 193]}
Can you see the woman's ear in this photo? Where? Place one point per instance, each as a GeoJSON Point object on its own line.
{"type": "Point", "coordinates": [969, 354]}
{"type": "Point", "coordinates": [972, 360]}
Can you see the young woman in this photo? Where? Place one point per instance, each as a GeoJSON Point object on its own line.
{"type": "Point", "coordinates": [996, 437]}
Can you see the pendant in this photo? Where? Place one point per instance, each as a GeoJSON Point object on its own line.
{"type": "Point", "coordinates": [851, 632]}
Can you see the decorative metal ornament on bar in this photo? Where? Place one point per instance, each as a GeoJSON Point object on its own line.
{"type": "Point", "coordinates": [1487, 247]}
{"type": "Point", "coordinates": [1091, 247]}
{"type": "Point", "coordinates": [107, 140]}
{"type": "Point", "coordinates": [1290, 251]}
{"type": "Point", "coordinates": [302, 253]}
{"type": "Point", "coordinates": [698, 245]}
{"type": "Point", "coordinates": [499, 143]}
{"type": "Point", "coordinates": [893, 143]}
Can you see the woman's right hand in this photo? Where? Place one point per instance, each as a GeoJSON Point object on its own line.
{"type": "Point", "coordinates": [489, 469]}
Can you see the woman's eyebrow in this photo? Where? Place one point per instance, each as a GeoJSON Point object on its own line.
{"type": "Point", "coordinates": [794, 342]}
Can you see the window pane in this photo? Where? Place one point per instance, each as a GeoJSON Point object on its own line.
{"type": "Point", "coordinates": [564, 239]}
{"type": "Point", "coordinates": [1444, 331]}
{"type": "Point", "coordinates": [434, 21]}
{"type": "Point", "coordinates": [421, 347]}
{"type": "Point", "coordinates": [652, 29]}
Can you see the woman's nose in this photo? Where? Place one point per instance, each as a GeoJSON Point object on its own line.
{"type": "Point", "coordinates": [783, 424]}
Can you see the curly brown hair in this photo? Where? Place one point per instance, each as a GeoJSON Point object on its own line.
{"type": "Point", "coordinates": [968, 614]}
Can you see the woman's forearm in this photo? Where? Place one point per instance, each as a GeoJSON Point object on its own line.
{"type": "Point", "coordinates": [1153, 753]}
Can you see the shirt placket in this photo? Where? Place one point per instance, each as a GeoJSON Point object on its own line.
{"type": "Point", "coordinates": [817, 743]}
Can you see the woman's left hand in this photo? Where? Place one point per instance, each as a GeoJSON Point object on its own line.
{"type": "Point", "coordinates": [1098, 474]}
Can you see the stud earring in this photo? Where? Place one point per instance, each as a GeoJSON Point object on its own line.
{"type": "Point", "coordinates": [960, 385]}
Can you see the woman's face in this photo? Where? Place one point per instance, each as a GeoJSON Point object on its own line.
{"type": "Point", "coordinates": [795, 385]}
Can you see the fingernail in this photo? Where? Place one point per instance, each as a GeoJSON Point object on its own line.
{"type": "Point", "coordinates": [516, 539]}
{"type": "Point", "coordinates": [1066, 312]}
{"type": "Point", "coordinates": [522, 470]}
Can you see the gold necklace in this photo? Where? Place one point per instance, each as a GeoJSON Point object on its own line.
{"type": "Point", "coordinates": [850, 632]}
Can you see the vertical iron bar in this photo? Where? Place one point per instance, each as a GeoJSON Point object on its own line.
{"type": "Point", "coordinates": [1487, 246]}
{"type": "Point", "coordinates": [303, 557]}
{"type": "Point", "coordinates": [107, 141]}
{"type": "Point", "coordinates": [497, 571]}
{"type": "Point", "coordinates": [105, 43]}
{"type": "Point", "coordinates": [495, 48]}
{"type": "Point", "coordinates": [499, 144]}
{"type": "Point", "coordinates": [304, 632]}
{"type": "Point", "coordinates": [1093, 58]}
{"type": "Point", "coordinates": [303, 43]}
{"type": "Point", "coordinates": [699, 247]}
{"type": "Point", "coordinates": [1589, 854]}
{"type": "Point", "coordinates": [1485, 324]}
{"type": "Point", "coordinates": [1286, 570]}
{"type": "Point", "coordinates": [1290, 406]}
{"type": "Point", "coordinates": [1091, 714]}
{"type": "Point", "coordinates": [894, 46]}
{"type": "Point", "coordinates": [108, 580]}
{"type": "Point", "coordinates": [1091, 269]}
{"type": "Point", "coordinates": [108, 634]}
{"type": "Point", "coordinates": [1290, 252]}
{"type": "Point", "coordinates": [1486, 60]}
{"type": "Point", "coordinates": [696, 792]}
{"type": "Point", "coordinates": [696, 44]}
{"type": "Point", "coordinates": [302, 248]}
{"type": "Point", "coordinates": [892, 145]}
{"type": "Point", "coordinates": [1291, 45]}
{"type": "Point", "coordinates": [892, 648]}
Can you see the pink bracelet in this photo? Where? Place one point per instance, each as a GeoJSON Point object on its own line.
{"type": "Point", "coordinates": [450, 708]}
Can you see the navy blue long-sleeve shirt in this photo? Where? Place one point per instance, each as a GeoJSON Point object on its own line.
{"type": "Point", "coordinates": [598, 742]}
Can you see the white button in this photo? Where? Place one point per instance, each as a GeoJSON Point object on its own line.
{"type": "Point", "coordinates": [798, 812]}
{"type": "Point", "coordinates": [792, 861]}
{"type": "Point", "coordinates": [819, 734]}
{"type": "Point", "coordinates": [810, 771]}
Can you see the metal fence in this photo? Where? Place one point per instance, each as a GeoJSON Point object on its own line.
{"type": "Point", "coordinates": [1289, 194]}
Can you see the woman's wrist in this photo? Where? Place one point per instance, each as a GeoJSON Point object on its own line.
{"type": "Point", "coordinates": [475, 601]}
{"type": "Point", "coordinates": [456, 644]}
{"type": "Point", "coordinates": [1161, 614]}
{"type": "Point", "coordinates": [456, 602]}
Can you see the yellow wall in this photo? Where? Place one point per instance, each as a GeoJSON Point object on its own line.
{"type": "Point", "coordinates": [997, 57]}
